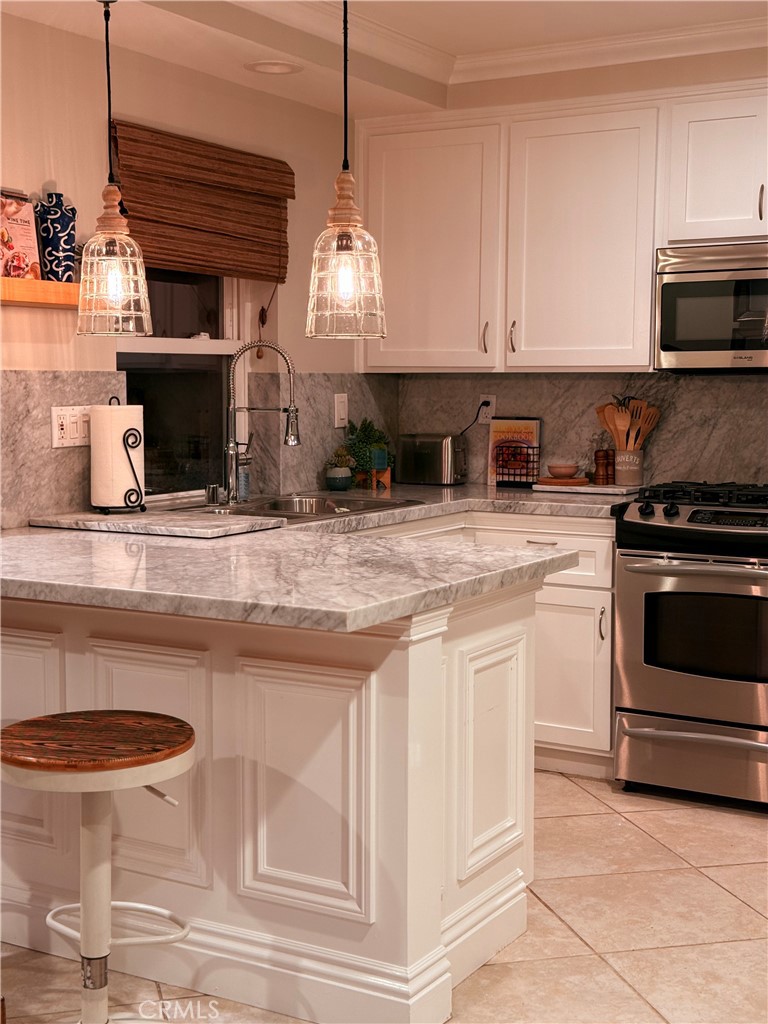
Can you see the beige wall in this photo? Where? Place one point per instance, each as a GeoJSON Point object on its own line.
{"type": "Point", "coordinates": [54, 138]}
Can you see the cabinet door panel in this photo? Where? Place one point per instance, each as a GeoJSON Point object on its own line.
{"type": "Point", "coordinates": [717, 169]}
{"type": "Point", "coordinates": [573, 667]}
{"type": "Point", "coordinates": [432, 205]}
{"type": "Point", "coordinates": [581, 240]}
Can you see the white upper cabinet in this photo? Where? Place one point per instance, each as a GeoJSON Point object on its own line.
{"type": "Point", "coordinates": [718, 165]}
{"type": "Point", "coordinates": [432, 204]}
{"type": "Point", "coordinates": [580, 241]}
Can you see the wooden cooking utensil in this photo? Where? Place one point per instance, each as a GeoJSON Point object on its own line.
{"type": "Point", "coordinates": [609, 411]}
{"type": "Point", "coordinates": [637, 407]}
{"type": "Point", "coordinates": [650, 418]}
{"type": "Point", "coordinates": [600, 410]}
{"type": "Point", "coordinates": [622, 419]}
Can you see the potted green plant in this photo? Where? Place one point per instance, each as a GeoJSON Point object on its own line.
{"type": "Point", "coordinates": [338, 469]}
{"type": "Point", "coordinates": [369, 447]}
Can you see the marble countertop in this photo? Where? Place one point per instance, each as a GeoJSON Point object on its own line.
{"type": "Point", "coordinates": [326, 574]}
{"type": "Point", "coordinates": [281, 577]}
{"type": "Point", "coordinates": [189, 523]}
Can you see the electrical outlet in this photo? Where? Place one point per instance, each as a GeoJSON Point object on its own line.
{"type": "Point", "coordinates": [340, 410]}
{"type": "Point", "coordinates": [488, 411]}
{"type": "Point", "coordinates": [70, 426]}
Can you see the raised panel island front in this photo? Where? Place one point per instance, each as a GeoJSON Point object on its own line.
{"type": "Point", "coordinates": [355, 837]}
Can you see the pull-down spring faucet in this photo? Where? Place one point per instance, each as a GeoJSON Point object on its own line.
{"type": "Point", "coordinates": [292, 421]}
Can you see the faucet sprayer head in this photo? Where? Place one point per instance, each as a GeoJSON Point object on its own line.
{"type": "Point", "coordinates": [292, 427]}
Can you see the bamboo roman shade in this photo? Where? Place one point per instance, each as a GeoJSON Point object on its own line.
{"type": "Point", "coordinates": [195, 206]}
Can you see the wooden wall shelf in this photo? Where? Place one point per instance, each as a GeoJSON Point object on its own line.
{"type": "Point", "coordinates": [49, 294]}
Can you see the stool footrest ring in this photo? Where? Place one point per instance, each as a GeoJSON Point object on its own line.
{"type": "Point", "coordinates": [52, 920]}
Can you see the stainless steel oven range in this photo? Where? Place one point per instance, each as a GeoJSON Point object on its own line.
{"type": "Point", "coordinates": [691, 639]}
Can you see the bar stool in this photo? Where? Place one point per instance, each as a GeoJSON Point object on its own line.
{"type": "Point", "coordinates": [95, 753]}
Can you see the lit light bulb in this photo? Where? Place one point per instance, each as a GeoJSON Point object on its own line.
{"type": "Point", "coordinates": [345, 281]}
{"type": "Point", "coordinates": [114, 284]}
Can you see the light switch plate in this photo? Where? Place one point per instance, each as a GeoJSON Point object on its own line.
{"type": "Point", "coordinates": [70, 426]}
{"type": "Point", "coordinates": [340, 410]}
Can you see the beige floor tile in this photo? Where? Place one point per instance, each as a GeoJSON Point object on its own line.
{"type": "Point", "coordinates": [576, 990]}
{"type": "Point", "coordinates": [649, 909]}
{"type": "Point", "coordinates": [612, 793]}
{"type": "Point", "coordinates": [747, 881]}
{"type": "Point", "coordinates": [73, 1016]}
{"type": "Point", "coordinates": [556, 795]}
{"type": "Point", "coordinates": [709, 835]}
{"type": "Point", "coordinates": [546, 937]}
{"type": "Point", "coordinates": [701, 984]}
{"type": "Point", "coordinates": [214, 1008]}
{"type": "Point", "coordinates": [595, 844]}
{"type": "Point", "coordinates": [36, 983]}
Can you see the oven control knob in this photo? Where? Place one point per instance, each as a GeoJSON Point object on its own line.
{"type": "Point", "coordinates": [671, 510]}
{"type": "Point", "coordinates": [647, 509]}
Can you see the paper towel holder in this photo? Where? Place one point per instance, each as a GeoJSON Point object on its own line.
{"type": "Point", "coordinates": [133, 499]}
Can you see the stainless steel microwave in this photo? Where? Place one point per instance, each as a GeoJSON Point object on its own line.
{"type": "Point", "coordinates": [711, 308]}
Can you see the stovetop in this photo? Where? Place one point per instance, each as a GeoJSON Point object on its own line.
{"type": "Point", "coordinates": [697, 517]}
{"type": "Point", "coordinates": [688, 492]}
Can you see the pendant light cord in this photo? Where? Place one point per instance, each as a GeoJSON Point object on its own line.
{"type": "Point", "coordinates": [345, 162]}
{"type": "Point", "coordinates": [111, 178]}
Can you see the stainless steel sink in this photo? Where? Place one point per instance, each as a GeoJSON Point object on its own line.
{"type": "Point", "coordinates": [307, 507]}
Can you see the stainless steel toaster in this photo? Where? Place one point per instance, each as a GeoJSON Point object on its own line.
{"type": "Point", "coordinates": [431, 459]}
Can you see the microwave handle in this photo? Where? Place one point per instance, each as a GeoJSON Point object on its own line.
{"type": "Point", "coordinates": [655, 569]}
{"type": "Point", "coordinates": [696, 737]}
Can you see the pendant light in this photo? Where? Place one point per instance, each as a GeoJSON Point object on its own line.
{"type": "Point", "coordinates": [113, 285]}
{"type": "Point", "coordinates": [345, 299]}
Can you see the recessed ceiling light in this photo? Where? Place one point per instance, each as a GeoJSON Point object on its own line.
{"type": "Point", "coordinates": [273, 67]}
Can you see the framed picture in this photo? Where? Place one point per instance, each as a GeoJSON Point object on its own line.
{"type": "Point", "coordinates": [514, 452]}
{"type": "Point", "coordinates": [19, 254]}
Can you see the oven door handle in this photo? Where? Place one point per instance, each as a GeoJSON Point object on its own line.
{"type": "Point", "coordinates": [745, 572]}
{"type": "Point", "coordinates": [696, 737]}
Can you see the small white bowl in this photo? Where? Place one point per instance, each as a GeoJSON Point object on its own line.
{"type": "Point", "coordinates": [563, 470]}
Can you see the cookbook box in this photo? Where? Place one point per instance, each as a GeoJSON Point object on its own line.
{"type": "Point", "coordinates": [19, 250]}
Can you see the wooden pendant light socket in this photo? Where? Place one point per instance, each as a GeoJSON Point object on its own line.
{"type": "Point", "coordinates": [111, 220]}
{"type": "Point", "coordinates": [346, 211]}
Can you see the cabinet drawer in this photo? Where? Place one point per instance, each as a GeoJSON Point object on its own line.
{"type": "Point", "coordinates": [595, 568]}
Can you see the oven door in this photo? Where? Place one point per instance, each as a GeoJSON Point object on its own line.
{"type": "Point", "coordinates": [712, 319]}
{"type": "Point", "coordinates": [692, 637]}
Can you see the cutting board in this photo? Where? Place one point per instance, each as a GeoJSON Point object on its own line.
{"type": "Point", "coordinates": [571, 481]}
{"type": "Point", "coordinates": [585, 488]}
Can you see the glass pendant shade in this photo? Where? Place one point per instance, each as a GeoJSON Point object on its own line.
{"type": "Point", "coordinates": [113, 285]}
{"type": "Point", "coordinates": [345, 296]}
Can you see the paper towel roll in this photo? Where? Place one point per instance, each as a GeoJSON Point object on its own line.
{"type": "Point", "coordinates": [117, 456]}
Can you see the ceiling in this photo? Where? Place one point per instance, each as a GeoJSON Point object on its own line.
{"type": "Point", "coordinates": [405, 55]}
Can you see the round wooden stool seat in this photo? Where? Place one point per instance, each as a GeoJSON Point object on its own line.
{"type": "Point", "coordinates": [83, 751]}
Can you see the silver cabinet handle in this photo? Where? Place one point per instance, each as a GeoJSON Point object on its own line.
{"type": "Point", "coordinates": [600, 622]}
{"type": "Point", "coordinates": [543, 543]}
{"type": "Point", "coordinates": [696, 737]}
{"type": "Point", "coordinates": [484, 336]}
{"type": "Point", "coordinates": [760, 201]}
{"type": "Point", "coordinates": [512, 335]}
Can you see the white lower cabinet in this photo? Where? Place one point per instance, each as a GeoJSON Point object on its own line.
{"type": "Point", "coordinates": [574, 618]}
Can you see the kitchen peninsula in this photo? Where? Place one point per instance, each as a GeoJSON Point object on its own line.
{"type": "Point", "coordinates": [355, 837]}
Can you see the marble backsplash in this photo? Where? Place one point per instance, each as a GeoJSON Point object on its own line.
{"type": "Point", "coordinates": [37, 479]}
{"type": "Point", "coordinates": [712, 427]}
{"type": "Point", "coordinates": [279, 469]}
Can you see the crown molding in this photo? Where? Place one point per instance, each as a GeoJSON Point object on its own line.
{"type": "Point", "coordinates": [322, 18]}
{"type": "Point", "coordinates": [735, 35]}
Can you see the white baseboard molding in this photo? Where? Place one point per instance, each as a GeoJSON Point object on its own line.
{"type": "Point", "coordinates": [483, 926]}
{"type": "Point", "coordinates": [293, 978]}
{"type": "Point", "coordinates": [574, 762]}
